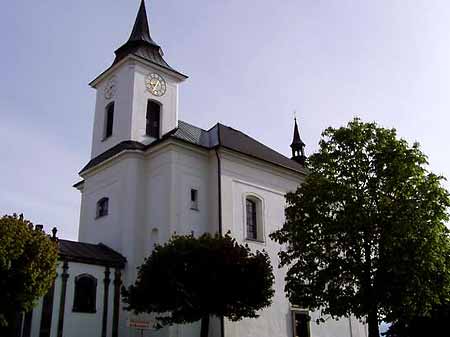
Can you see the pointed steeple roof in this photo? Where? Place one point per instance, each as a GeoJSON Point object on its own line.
{"type": "Point", "coordinates": [298, 146]}
{"type": "Point", "coordinates": [141, 44]}
{"type": "Point", "coordinates": [296, 141]}
{"type": "Point", "coordinates": [141, 31]}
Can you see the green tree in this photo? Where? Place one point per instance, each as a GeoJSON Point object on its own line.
{"type": "Point", "coordinates": [365, 234]}
{"type": "Point", "coordinates": [419, 326]}
{"type": "Point", "coordinates": [190, 279]}
{"type": "Point", "coordinates": [28, 260]}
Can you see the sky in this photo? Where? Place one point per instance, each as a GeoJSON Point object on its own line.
{"type": "Point", "coordinates": [250, 65]}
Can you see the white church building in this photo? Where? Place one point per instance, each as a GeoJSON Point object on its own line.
{"type": "Point", "coordinates": [151, 175]}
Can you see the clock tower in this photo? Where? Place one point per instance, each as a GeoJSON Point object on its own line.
{"type": "Point", "coordinates": [137, 96]}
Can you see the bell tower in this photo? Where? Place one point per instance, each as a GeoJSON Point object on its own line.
{"type": "Point", "coordinates": [298, 146]}
{"type": "Point", "coordinates": [137, 96]}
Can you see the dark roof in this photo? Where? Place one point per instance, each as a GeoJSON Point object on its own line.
{"type": "Point", "coordinates": [141, 31]}
{"type": "Point", "coordinates": [240, 142]}
{"type": "Point", "coordinates": [218, 136]}
{"type": "Point", "coordinates": [296, 141]}
{"type": "Point", "coordinates": [141, 44]}
{"type": "Point", "coordinates": [125, 145]}
{"type": "Point", "coordinates": [82, 252]}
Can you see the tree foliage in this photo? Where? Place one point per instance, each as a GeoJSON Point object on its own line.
{"type": "Point", "coordinates": [27, 265]}
{"type": "Point", "coordinates": [366, 231]}
{"type": "Point", "coordinates": [419, 326]}
{"type": "Point", "coordinates": [188, 279]}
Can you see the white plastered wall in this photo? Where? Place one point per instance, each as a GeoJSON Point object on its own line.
{"type": "Point", "coordinates": [130, 105]}
{"type": "Point", "coordinates": [77, 324]}
{"type": "Point", "coordinates": [242, 176]}
{"type": "Point", "coordinates": [150, 200]}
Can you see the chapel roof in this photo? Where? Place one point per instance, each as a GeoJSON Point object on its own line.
{"type": "Point", "coordinates": [218, 136]}
{"type": "Point", "coordinates": [82, 252]}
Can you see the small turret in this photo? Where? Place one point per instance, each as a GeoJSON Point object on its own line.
{"type": "Point", "coordinates": [297, 146]}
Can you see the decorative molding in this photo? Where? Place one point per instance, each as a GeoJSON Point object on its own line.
{"type": "Point", "coordinates": [106, 283]}
{"type": "Point", "coordinates": [62, 303]}
{"type": "Point", "coordinates": [264, 165]}
{"type": "Point", "coordinates": [117, 284]}
{"type": "Point", "coordinates": [260, 187]}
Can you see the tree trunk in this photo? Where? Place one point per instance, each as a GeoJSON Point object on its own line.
{"type": "Point", "coordinates": [372, 321]}
{"type": "Point", "coordinates": [205, 326]}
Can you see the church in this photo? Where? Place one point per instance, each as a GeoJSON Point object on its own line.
{"type": "Point", "coordinates": [150, 175]}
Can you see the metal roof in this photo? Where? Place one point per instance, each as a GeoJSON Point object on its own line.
{"type": "Point", "coordinates": [89, 253]}
{"type": "Point", "coordinates": [218, 136]}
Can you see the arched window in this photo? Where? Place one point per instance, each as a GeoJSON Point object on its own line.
{"type": "Point", "coordinates": [102, 207]}
{"type": "Point", "coordinates": [252, 225]}
{"type": "Point", "coordinates": [253, 218]}
{"type": "Point", "coordinates": [85, 293]}
{"type": "Point", "coordinates": [109, 120]}
{"type": "Point", "coordinates": [153, 119]}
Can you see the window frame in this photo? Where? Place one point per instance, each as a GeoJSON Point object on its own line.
{"type": "Point", "coordinates": [147, 129]}
{"type": "Point", "coordinates": [194, 203]}
{"type": "Point", "coordinates": [260, 223]}
{"type": "Point", "coordinates": [97, 207]}
{"type": "Point", "coordinates": [106, 123]}
{"type": "Point", "coordinates": [298, 311]}
{"type": "Point", "coordinates": [76, 294]}
{"type": "Point", "coordinates": [252, 229]}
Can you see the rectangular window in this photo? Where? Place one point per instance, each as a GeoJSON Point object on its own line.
{"type": "Point", "coordinates": [194, 199]}
{"type": "Point", "coordinates": [153, 119]}
{"type": "Point", "coordinates": [109, 122]}
{"type": "Point", "coordinates": [102, 207]}
{"type": "Point", "coordinates": [301, 324]}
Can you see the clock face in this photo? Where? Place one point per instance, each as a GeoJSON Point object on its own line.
{"type": "Point", "coordinates": [110, 88]}
{"type": "Point", "coordinates": [155, 84]}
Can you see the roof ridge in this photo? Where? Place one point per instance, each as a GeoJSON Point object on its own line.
{"type": "Point", "coordinates": [83, 243]}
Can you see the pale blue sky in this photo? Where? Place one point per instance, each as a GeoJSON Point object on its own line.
{"type": "Point", "coordinates": [251, 63]}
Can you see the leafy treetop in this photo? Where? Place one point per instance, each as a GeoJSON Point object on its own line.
{"type": "Point", "coordinates": [366, 231]}
{"type": "Point", "coordinates": [188, 279]}
{"type": "Point", "coordinates": [28, 260]}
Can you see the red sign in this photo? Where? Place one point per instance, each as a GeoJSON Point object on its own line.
{"type": "Point", "coordinates": [139, 324]}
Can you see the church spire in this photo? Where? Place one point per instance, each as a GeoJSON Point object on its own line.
{"type": "Point", "coordinates": [141, 31]}
{"type": "Point", "coordinates": [297, 146]}
{"type": "Point", "coordinates": [141, 44]}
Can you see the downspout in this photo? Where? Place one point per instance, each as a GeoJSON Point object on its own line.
{"type": "Point", "coordinates": [219, 198]}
